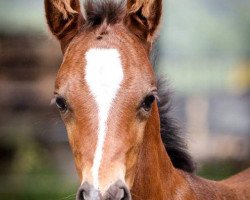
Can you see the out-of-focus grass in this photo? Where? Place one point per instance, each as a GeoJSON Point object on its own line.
{"type": "Point", "coordinates": [36, 188]}
{"type": "Point", "coordinates": [47, 185]}
{"type": "Point", "coordinates": [220, 169]}
{"type": "Point", "coordinates": [33, 174]}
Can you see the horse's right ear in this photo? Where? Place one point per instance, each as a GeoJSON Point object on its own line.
{"type": "Point", "coordinates": [64, 18]}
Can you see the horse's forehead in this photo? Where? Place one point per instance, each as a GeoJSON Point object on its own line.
{"type": "Point", "coordinates": [106, 57]}
{"type": "Point", "coordinates": [103, 74]}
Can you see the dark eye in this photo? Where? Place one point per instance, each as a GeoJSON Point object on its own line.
{"type": "Point", "coordinates": [61, 104]}
{"type": "Point", "coordinates": [147, 103]}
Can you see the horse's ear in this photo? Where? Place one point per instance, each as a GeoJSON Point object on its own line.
{"type": "Point", "coordinates": [64, 19]}
{"type": "Point", "coordinates": [143, 18]}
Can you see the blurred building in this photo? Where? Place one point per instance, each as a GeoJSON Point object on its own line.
{"type": "Point", "coordinates": [205, 53]}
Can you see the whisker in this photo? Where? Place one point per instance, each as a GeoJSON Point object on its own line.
{"type": "Point", "coordinates": [70, 196]}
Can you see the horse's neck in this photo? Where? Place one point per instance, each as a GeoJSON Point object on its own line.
{"type": "Point", "coordinates": [156, 177]}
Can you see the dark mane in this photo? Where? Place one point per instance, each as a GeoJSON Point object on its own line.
{"type": "Point", "coordinates": [170, 133]}
{"type": "Point", "coordinates": [106, 12]}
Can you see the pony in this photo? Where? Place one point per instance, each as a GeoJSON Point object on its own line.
{"type": "Point", "coordinates": [125, 144]}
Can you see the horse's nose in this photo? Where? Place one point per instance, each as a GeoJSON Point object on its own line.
{"type": "Point", "coordinates": [88, 192]}
{"type": "Point", "coordinates": [117, 191]}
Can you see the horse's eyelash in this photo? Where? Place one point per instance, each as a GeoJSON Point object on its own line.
{"type": "Point", "coordinates": [53, 101]}
{"type": "Point", "coordinates": [157, 97]}
{"type": "Point", "coordinates": [155, 93]}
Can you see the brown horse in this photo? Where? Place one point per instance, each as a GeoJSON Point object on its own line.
{"type": "Point", "coordinates": [124, 143]}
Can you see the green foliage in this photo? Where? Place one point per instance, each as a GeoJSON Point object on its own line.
{"type": "Point", "coordinates": [34, 175]}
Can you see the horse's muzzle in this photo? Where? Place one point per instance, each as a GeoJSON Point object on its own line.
{"type": "Point", "coordinates": [117, 191]}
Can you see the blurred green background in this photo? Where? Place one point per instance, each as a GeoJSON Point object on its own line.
{"type": "Point", "coordinates": [203, 49]}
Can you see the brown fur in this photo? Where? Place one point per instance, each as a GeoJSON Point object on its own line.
{"type": "Point", "coordinates": [133, 140]}
{"type": "Point", "coordinates": [64, 19]}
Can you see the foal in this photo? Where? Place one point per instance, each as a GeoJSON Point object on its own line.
{"type": "Point", "coordinates": [106, 92]}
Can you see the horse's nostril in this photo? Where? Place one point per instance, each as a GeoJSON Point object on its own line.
{"type": "Point", "coordinates": [126, 195]}
{"type": "Point", "coordinates": [80, 195]}
{"type": "Point", "coordinates": [83, 194]}
{"type": "Point", "coordinates": [118, 191]}
{"type": "Point", "coordinates": [87, 192]}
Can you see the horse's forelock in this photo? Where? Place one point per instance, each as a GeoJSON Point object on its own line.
{"type": "Point", "coordinates": [105, 11]}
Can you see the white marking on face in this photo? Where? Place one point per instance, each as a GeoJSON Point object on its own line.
{"type": "Point", "coordinates": [104, 74]}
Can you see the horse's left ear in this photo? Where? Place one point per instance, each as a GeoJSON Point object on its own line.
{"type": "Point", "coordinates": [143, 18]}
{"type": "Point", "coordinates": [64, 19]}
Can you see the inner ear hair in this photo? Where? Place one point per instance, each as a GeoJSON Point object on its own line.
{"type": "Point", "coordinates": [146, 14]}
{"type": "Point", "coordinates": [64, 8]}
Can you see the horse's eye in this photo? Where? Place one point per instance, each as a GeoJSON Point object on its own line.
{"type": "Point", "coordinates": [147, 103]}
{"type": "Point", "coordinates": [61, 104]}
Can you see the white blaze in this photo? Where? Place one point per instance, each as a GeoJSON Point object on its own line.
{"type": "Point", "coordinates": [104, 74]}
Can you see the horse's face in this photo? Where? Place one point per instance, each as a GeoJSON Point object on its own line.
{"type": "Point", "coordinates": [105, 90]}
{"type": "Point", "coordinates": [105, 93]}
